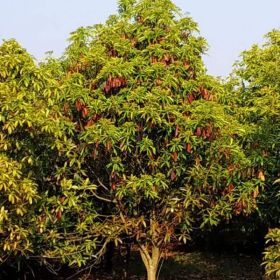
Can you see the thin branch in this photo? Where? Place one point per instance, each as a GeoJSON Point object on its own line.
{"type": "Point", "coordinates": [160, 267]}
{"type": "Point", "coordinates": [101, 184]}
{"type": "Point", "coordinates": [102, 198]}
{"type": "Point", "coordinates": [145, 252]}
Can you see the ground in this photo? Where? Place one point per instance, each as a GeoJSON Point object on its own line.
{"type": "Point", "coordinates": [193, 266]}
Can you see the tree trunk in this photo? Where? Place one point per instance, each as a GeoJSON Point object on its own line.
{"type": "Point", "coordinates": [150, 261]}
{"type": "Point", "coordinates": [151, 273]}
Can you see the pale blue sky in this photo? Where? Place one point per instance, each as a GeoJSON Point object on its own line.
{"type": "Point", "coordinates": [229, 26]}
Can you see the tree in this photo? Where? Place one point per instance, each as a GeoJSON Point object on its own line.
{"type": "Point", "coordinates": [255, 87]}
{"type": "Point", "coordinates": [163, 154]}
{"type": "Point", "coordinates": [272, 254]}
{"type": "Point", "coordinates": [30, 140]}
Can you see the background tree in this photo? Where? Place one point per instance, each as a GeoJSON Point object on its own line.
{"type": "Point", "coordinates": [163, 156]}
{"type": "Point", "coordinates": [31, 138]}
{"type": "Point", "coordinates": [255, 87]}
{"type": "Point", "coordinates": [20, 82]}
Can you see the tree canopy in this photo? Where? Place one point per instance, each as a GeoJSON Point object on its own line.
{"type": "Point", "coordinates": [26, 96]}
{"type": "Point", "coordinates": [126, 139]}
{"type": "Point", "coordinates": [255, 88]}
{"type": "Point", "coordinates": [149, 130]}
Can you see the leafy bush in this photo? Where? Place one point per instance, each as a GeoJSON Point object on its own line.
{"type": "Point", "coordinates": [272, 254]}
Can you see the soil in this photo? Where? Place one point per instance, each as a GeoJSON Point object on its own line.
{"type": "Point", "coordinates": [195, 265]}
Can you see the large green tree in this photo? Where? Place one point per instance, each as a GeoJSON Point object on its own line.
{"type": "Point", "coordinates": [162, 155]}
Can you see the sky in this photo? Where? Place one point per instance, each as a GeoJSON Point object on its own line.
{"type": "Point", "coordinates": [229, 26]}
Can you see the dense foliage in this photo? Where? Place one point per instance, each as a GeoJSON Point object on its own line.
{"type": "Point", "coordinates": [272, 254]}
{"type": "Point", "coordinates": [26, 96]}
{"type": "Point", "coordinates": [149, 131]}
{"type": "Point", "coordinates": [126, 139]}
{"type": "Point", "coordinates": [256, 95]}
